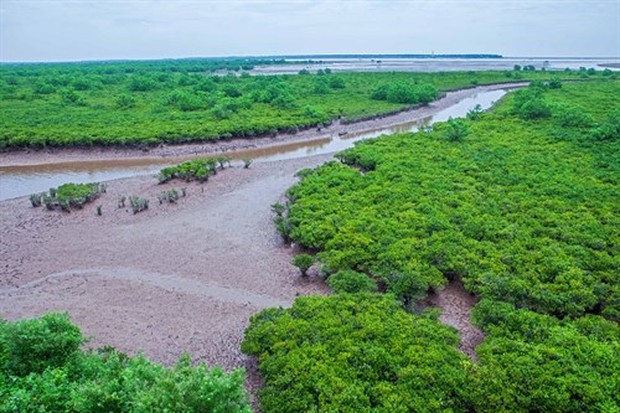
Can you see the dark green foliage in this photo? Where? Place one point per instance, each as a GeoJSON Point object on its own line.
{"type": "Point", "coordinates": [356, 353]}
{"type": "Point", "coordinates": [36, 199]}
{"type": "Point", "coordinates": [336, 82]}
{"type": "Point", "coordinates": [142, 84]}
{"type": "Point", "coordinates": [247, 163]}
{"type": "Point", "coordinates": [456, 129]}
{"type": "Point", "coordinates": [572, 116]}
{"type": "Point", "coordinates": [71, 97]}
{"type": "Point", "coordinates": [535, 109]}
{"type": "Point", "coordinates": [125, 101]}
{"type": "Point", "coordinates": [517, 213]}
{"type": "Point", "coordinates": [475, 113]}
{"type": "Point", "coordinates": [530, 103]}
{"type": "Point", "coordinates": [533, 362]}
{"type": "Point", "coordinates": [42, 369]}
{"type": "Point", "coordinates": [278, 208]}
{"type": "Point", "coordinates": [609, 129]}
{"type": "Point", "coordinates": [303, 262]}
{"type": "Point", "coordinates": [348, 281]}
{"type": "Point", "coordinates": [174, 101]}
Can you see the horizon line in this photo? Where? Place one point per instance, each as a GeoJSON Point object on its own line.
{"type": "Point", "coordinates": [310, 57]}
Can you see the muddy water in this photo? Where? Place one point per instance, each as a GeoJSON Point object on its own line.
{"type": "Point", "coordinates": [16, 181]}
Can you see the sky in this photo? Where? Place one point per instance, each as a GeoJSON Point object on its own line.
{"type": "Point", "coordinates": [68, 30]}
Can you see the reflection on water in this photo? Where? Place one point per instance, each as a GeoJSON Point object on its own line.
{"type": "Point", "coordinates": [18, 181]}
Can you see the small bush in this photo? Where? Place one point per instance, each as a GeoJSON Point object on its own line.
{"type": "Point", "coordinates": [608, 130]}
{"type": "Point", "coordinates": [171, 196]}
{"type": "Point", "coordinates": [138, 204]}
{"type": "Point", "coordinates": [198, 169]}
{"type": "Point", "coordinates": [303, 262]}
{"type": "Point", "coordinates": [572, 117]}
{"type": "Point", "coordinates": [535, 109]}
{"type": "Point", "coordinates": [456, 129]}
{"type": "Point", "coordinates": [68, 196]}
{"type": "Point", "coordinates": [349, 281]}
{"type": "Point", "coordinates": [278, 208]}
{"type": "Point", "coordinates": [475, 113]}
{"type": "Point", "coordinates": [36, 199]}
{"type": "Point", "coordinates": [125, 101]}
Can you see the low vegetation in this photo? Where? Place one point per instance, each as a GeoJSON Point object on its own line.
{"type": "Point", "coordinates": [521, 203]}
{"type": "Point", "coordinates": [171, 195]}
{"type": "Point", "coordinates": [523, 209]}
{"type": "Point", "coordinates": [68, 196]}
{"type": "Point", "coordinates": [146, 103]}
{"type": "Point", "coordinates": [195, 170]}
{"type": "Point", "coordinates": [363, 352]}
{"type": "Point", "coordinates": [43, 369]}
{"type": "Point", "coordinates": [303, 262]}
{"type": "Point", "coordinates": [534, 362]}
{"type": "Point", "coordinates": [356, 353]}
{"type": "Point", "coordinates": [138, 204]}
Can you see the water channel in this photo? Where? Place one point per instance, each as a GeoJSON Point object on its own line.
{"type": "Point", "coordinates": [16, 181]}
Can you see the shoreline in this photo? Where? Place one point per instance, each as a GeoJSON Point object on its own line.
{"type": "Point", "coordinates": [238, 147]}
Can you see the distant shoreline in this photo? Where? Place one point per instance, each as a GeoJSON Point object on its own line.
{"type": "Point", "coordinates": [280, 58]}
{"type": "Point", "coordinates": [611, 65]}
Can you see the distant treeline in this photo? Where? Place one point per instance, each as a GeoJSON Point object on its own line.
{"type": "Point", "coordinates": [110, 67]}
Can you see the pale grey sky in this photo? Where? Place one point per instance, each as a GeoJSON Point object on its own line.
{"type": "Point", "coordinates": [60, 30]}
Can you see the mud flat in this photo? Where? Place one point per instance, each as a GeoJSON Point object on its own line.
{"type": "Point", "coordinates": [175, 278]}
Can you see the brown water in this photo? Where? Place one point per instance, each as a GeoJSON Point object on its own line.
{"type": "Point", "coordinates": [16, 181]}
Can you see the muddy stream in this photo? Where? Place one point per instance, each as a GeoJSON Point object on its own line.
{"type": "Point", "coordinates": [18, 180]}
